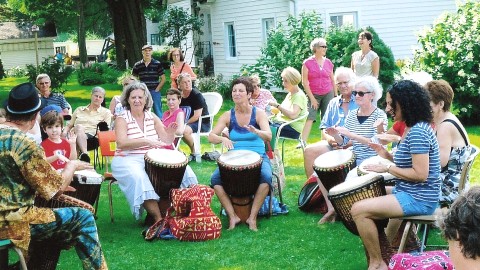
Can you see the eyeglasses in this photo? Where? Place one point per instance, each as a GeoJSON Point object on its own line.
{"type": "Point", "coordinates": [341, 83]}
{"type": "Point", "coordinates": [175, 54]}
{"type": "Point", "coordinates": [360, 93]}
{"type": "Point", "coordinates": [44, 83]}
{"type": "Point", "coordinates": [322, 46]}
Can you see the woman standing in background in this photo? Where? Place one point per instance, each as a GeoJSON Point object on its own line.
{"type": "Point", "coordinates": [365, 62]}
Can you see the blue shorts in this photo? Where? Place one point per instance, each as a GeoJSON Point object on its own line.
{"type": "Point", "coordinates": [412, 207]}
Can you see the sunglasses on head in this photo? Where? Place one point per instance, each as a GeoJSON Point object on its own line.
{"type": "Point", "coordinates": [360, 93]}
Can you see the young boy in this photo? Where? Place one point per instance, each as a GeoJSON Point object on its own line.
{"type": "Point", "coordinates": [57, 150]}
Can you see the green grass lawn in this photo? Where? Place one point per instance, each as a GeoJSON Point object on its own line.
{"type": "Point", "coordinates": [292, 241]}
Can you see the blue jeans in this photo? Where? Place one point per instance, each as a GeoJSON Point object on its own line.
{"type": "Point", "coordinates": [157, 103]}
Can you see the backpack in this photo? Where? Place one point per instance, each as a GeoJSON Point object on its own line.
{"type": "Point", "coordinates": [310, 198]}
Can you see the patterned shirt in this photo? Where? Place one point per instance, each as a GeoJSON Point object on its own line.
{"type": "Point", "coordinates": [89, 119]}
{"type": "Point", "coordinates": [264, 97]}
{"type": "Point", "coordinates": [420, 140]}
{"type": "Point", "coordinates": [24, 172]}
{"type": "Point", "coordinates": [148, 74]}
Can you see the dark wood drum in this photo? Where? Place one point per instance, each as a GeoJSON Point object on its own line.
{"type": "Point", "coordinates": [165, 168]}
{"type": "Point", "coordinates": [332, 167]}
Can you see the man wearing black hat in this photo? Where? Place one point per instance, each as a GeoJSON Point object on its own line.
{"type": "Point", "coordinates": [149, 71]}
{"type": "Point", "coordinates": [25, 172]}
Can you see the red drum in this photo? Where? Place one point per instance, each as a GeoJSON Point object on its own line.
{"type": "Point", "coordinates": [387, 177]}
{"type": "Point", "coordinates": [332, 167]}
{"type": "Point", "coordinates": [165, 168]}
{"type": "Point", "coordinates": [344, 195]}
{"type": "Point", "coordinates": [240, 174]}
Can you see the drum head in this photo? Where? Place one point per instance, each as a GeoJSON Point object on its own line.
{"type": "Point", "coordinates": [165, 156]}
{"type": "Point", "coordinates": [354, 184]}
{"type": "Point", "coordinates": [373, 160]}
{"type": "Point", "coordinates": [333, 159]}
{"type": "Point", "coordinates": [239, 157]}
{"type": "Point", "coordinates": [88, 173]}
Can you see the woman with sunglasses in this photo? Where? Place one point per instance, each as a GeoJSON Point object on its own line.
{"type": "Point", "coordinates": [318, 83]}
{"type": "Point", "coordinates": [179, 66]}
{"type": "Point", "coordinates": [365, 62]}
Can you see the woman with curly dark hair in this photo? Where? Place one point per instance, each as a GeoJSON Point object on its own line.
{"type": "Point", "coordinates": [416, 169]}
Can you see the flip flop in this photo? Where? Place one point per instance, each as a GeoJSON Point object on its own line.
{"type": "Point", "coordinates": [157, 227]}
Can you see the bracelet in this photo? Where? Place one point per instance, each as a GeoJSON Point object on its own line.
{"type": "Point", "coordinates": [388, 167]}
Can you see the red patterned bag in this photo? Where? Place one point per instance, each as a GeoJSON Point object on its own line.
{"type": "Point", "coordinates": [192, 218]}
{"type": "Point", "coordinates": [310, 198]}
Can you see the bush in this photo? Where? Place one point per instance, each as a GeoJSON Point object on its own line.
{"type": "Point", "coordinates": [450, 50]}
{"type": "Point", "coordinates": [2, 71]}
{"type": "Point", "coordinates": [17, 72]}
{"type": "Point", "coordinates": [57, 72]}
{"type": "Point", "coordinates": [215, 84]}
{"type": "Point", "coordinates": [98, 73]}
{"type": "Point", "coordinates": [338, 40]}
{"type": "Point", "coordinates": [388, 69]}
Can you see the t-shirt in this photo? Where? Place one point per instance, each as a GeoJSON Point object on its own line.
{"type": "Point", "coordinates": [134, 132]}
{"type": "Point", "coordinates": [419, 140]}
{"type": "Point", "coordinates": [51, 148]}
{"type": "Point", "coordinates": [196, 101]}
{"type": "Point", "coordinates": [300, 99]}
{"type": "Point", "coordinates": [148, 74]}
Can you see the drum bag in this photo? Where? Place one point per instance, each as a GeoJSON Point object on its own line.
{"type": "Point", "coordinates": [191, 218]}
{"type": "Point", "coordinates": [310, 198]}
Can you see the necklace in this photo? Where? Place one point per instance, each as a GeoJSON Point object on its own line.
{"type": "Point", "coordinates": [344, 101]}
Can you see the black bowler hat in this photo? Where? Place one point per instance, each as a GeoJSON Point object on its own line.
{"type": "Point", "coordinates": [23, 99]}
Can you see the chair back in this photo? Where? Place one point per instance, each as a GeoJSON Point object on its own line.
{"type": "Point", "coordinates": [107, 143]}
{"type": "Point", "coordinates": [214, 103]}
{"type": "Point", "coordinates": [466, 168]}
{"type": "Point", "coordinates": [187, 110]}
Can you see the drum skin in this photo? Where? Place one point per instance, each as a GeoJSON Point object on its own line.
{"type": "Point", "coordinates": [165, 168]}
{"type": "Point", "coordinates": [332, 167]}
{"type": "Point", "coordinates": [240, 172]}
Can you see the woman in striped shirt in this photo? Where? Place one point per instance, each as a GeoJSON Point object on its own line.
{"type": "Point", "coordinates": [416, 169]}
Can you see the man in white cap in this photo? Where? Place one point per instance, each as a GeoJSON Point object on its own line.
{"type": "Point", "coordinates": [150, 71]}
{"type": "Point", "coordinates": [25, 172]}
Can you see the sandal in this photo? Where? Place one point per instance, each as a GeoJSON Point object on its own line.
{"type": "Point", "coordinates": [153, 231]}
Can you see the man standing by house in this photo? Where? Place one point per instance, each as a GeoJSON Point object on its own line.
{"type": "Point", "coordinates": [149, 71]}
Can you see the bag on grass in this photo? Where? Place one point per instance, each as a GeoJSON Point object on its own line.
{"type": "Point", "coordinates": [277, 167]}
{"type": "Point", "coordinates": [278, 208]}
{"type": "Point", "coordinates": [192, 219]}
{"type": "Point", "coordinates": [211, 156]}
{"type": "Point", "coordinates": [310, 198]}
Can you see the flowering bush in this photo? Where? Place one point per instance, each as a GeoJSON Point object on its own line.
{"type": "Point", "coordinates": [450, 50]}
{"type": "Point", "coordinates": [16, 72]}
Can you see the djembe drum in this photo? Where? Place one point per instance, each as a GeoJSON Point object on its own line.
{"type": "Point", "coordinates": [240, 176]}
{"type": "Point", "coordinates": [165, 168]}
{"type": "Point", "coordinates": [344, 195]}
{"type": "Point", "coordinates": [332, 167]}
{"type": "Point", "coordinates": [388, 178]}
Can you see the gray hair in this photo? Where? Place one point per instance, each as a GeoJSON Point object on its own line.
{"type": "Point", "coordinates": [371, 84]}
{"type": "Point", "coordinates": [347, 72]}
{"type": "Point", "coordinates": [316, 42]}
{"type": "Point", "coordinates": [42, 76]}
{"type": "Point", "coordinates": [136, 86]}
{"type": "Point", "coordinates": [98, 89]}
{"type": "Point", "coordinates": [182, 76]}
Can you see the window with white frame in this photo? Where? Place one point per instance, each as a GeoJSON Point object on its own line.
{"type": "Point", "coordinates": [267, 25]}
{"type": "Point", "coordinates": [231, 44]}
{"type": "Point", "coordinates": [344, 19]}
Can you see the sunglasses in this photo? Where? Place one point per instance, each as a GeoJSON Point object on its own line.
{"type": "Point", "coordinates": [323, 46]}
{"type": "Point", "coordinates": [360, 93]}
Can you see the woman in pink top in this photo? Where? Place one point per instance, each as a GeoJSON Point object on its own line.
{"type": "Point", "coordinates": [318, 83]}
{"type": "Point", "coordinates": [178, 66]}
{"type": "Point", "coordinates": [174, 112]}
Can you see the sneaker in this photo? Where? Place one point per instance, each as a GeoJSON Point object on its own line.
{"type": "Point", "coordinates": [301, 144]}
{"type": "Point", "coordinates": [84, 157]}
{"type": "Point", "coordinates": [191, 157]}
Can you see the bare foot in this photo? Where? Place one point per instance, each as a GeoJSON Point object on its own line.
{"type": "Point", "coordinates": [252, 224]}
{"type": "Point", "coordinates": [378, 266]}
{"type": "Point", "coordinates": [233, 222]}
{"type": "Point", "coordinates": [328, 217]}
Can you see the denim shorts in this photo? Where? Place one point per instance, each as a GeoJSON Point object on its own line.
{"type": "Point", "coordinates": [412, 207]}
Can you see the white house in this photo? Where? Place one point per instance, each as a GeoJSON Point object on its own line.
{"type": "Point", "coordinates": [235, 29]}
{"type": "Point", "coordinates": [18, 46]}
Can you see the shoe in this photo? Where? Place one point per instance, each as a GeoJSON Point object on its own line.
{"type": "Point", "coordinates": [155, 229]}
{"type": "Point", "coordinates": [192, 157]}
{"type": "Point", "coordinates": [301, 144]}
{"type": "Point", "coordinates": [84, 157]}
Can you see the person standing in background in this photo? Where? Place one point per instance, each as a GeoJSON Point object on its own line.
{"type": "Point", "coordinates": [150, 71]}
{"type": "Point", "coordinates": [178, 66]}
{"type": "Point", "coordinates": [318, 83]}
{"type": "Point", "coordinates": [365, 62]}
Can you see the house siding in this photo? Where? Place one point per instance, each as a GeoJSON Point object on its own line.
{"type": "Point", "coordinates": [396, 22]}
{"type": "Point", "coordinates": [21, 52]}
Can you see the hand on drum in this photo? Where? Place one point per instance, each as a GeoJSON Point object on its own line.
{"type": "Point", "coordinates": [81, 165]}
{"type": "Point", "coordinates": [379, 168]}
{"type": "Point", "coordinates": [227, 143]}
{"type": "Point", "coordinates": [389, 138]}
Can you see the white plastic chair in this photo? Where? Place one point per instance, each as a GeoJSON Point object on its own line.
{"type": "Point", "coordinates": [299, 139]}
{"type": "Point", "coordinates": [214, 103]}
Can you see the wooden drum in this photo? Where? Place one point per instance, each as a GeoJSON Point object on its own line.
{"type": "Point", "coordinates": [332, 167]}
{"type": "Point", "coordinates": [165, 168]}
{"type": "Point", "coordinates": [387, 177]}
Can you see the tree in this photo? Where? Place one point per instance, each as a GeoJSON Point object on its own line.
{"type": "Point", "coordinates": [176, 23]}
{"type": "Point", "coordinates": [450, 50]}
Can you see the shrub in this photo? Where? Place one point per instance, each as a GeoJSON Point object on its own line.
{"type": "Point", "coordinates": [215, 84]}
{"type": "Point", "coordinates": [338, 40]}
{"type": "Point", "coordinates": [388, 69]}
{"type": "Point", "coordinates": [450, 50]}
{"type": "Point", "coordinates": [2, 71]}
{"type": "Point", "coordinates": [17, 72]}
{"type": "Point", "coordinates": [57, 71]}
{"type": "Point", "coordinates": [98, 73]}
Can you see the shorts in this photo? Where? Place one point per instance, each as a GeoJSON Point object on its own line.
{"type": "Point", "coordinates": [323, 101]}
{"type": "Point", "coordinates": [205, 126]}
{"type": "Point", "coordinates": [412, 207]}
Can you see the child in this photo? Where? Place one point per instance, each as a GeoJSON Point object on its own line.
{"type": "Point", "coordinates": [57, 150]}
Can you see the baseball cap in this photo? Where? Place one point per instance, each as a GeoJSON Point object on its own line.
{"type": "Point", "coordinates": [54, 108]}
{"type": "Point", "coordinates": [147, 47]}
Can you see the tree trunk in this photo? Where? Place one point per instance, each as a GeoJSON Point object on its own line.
{"type": "Point", "coordinates": [82, 46]}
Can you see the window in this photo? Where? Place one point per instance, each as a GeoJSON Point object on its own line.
{"type": "Point", "coordinates": [344, 19]}
{"type": "Point", "coordinates": [155, 39]}
{"type": "Point", "coordinates": [231, 41]}
{"type": "Point", "coordinates": [267, 25]}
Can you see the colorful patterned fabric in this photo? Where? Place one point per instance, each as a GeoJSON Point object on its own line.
{"type": "Point", "coordinates": [432, 260]}
{"type": "Point", "coordinates": [263, 99]}
{"type": "Point", "coordinates": [450, 175]}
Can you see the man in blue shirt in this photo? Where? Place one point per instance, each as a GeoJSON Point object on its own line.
{"type": "Point", "coordinates": [150, 71]}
